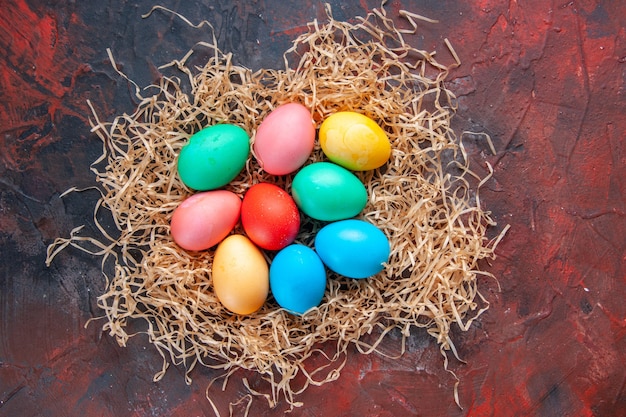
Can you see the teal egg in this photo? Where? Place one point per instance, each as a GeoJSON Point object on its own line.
{"type": "Point", "coordinates": [213, 157]}
{"type": "Point", "coordinates": [328, 192]}
{"type": "Point", "coordinates": [297, 278]}
{"type": "Point", "coordinates": [352, 248]}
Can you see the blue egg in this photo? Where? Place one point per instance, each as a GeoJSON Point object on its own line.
{"type": "Point", "coordinates": [352, 248]}
{"type": "Point", "coordinates": [297, 278]}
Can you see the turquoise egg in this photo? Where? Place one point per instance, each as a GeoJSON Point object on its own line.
{"type": "Point", "coordinates": [213, 157]}
{"type": "Point", "coordinates": [328, 192]}
{"type": "Point", "coordinates": [352, 248]}
{"type": "Point", "coordinates": [297, 278]}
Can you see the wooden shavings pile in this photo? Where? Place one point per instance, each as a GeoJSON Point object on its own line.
{"type": "Point", "coordinates": [422, 199]}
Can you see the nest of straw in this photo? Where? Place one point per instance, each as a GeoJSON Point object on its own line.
{"type": "Point", "coordinates": [425, 199]}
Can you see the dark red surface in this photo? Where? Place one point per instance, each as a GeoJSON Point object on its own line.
{"type": "Point", "coordinates": [547, 81]}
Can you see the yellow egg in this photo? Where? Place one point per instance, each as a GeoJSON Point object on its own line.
{"type": "Point", "coordinates": [240, 275]}
{"type": "Point", "coordinates": [354, 141]}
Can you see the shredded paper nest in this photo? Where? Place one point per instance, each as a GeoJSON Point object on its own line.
{"type": "Point", "coordinates": [425, 199]}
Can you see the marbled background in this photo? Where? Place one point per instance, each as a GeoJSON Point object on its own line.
{"type": "Point", "coordinates": [545, 78]}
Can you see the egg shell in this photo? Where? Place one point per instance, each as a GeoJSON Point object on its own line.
{"type": "Point", "coordinates": [213, 157]}
{"type": "Point", "coordinates": [285, 138]}
{"type": "Point", "coordinates": [297, 278]}
{"type": "Point", "coordinates": [240, 275]}
{"type": "Point", "coordinates": [328, 192]}
{"type": "Point", "coordinates": [204, 219]}
{"type": "Point", "coordinates": [354, 141]}
{"type": "Point", "coordinates": [352, 248]}
{"type": "Point", "coordinates": [269, 216]}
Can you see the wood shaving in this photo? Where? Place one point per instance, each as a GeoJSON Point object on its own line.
{"type": "Point", "coordinates": [426, 200]}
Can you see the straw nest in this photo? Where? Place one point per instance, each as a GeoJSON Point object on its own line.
{"type": "Point", "coordinates": [425, 199]}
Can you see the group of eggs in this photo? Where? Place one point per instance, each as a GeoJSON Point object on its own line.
{"type": "Point", "coordinates": [270, 216]}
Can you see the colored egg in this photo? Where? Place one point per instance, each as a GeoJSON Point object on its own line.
{"type": "Point", "coordinates": [352, 248]}
{"type": "Point", "coordinates": [284, 139]}
{"type": "Point", "coordinates": [204, 219]}
{"type": "Point", "coordinates": [326, 191]}
{"type": "Point", "coordinates": [297, 278]}
{"type": "Point", "coordinates": [213, 157]}
{"type": "Point", "coordinates": [269, 216]}
{"type": "Point", "coordinates": [240, 275]}
{"type": "Point", "coordinates": [354, 141]}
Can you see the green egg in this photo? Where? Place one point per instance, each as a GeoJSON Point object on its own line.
{"type": "Point", "coordinates": [328, 192]}
{"type": "Point", "coordinates": [213, 157]}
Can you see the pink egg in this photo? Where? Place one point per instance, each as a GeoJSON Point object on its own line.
{"type": "Point", "coordinates": [205, 219]}
{"type": "Point", "coordinates": [285, 139]}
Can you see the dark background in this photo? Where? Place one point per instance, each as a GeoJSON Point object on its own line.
{"type": "Point", "coordinates": [546, 79]}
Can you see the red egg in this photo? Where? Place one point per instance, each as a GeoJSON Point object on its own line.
{"type": "Point", "coordinates": [205, 219]}
{"type": "Point", "coordinates": [269, 216]}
